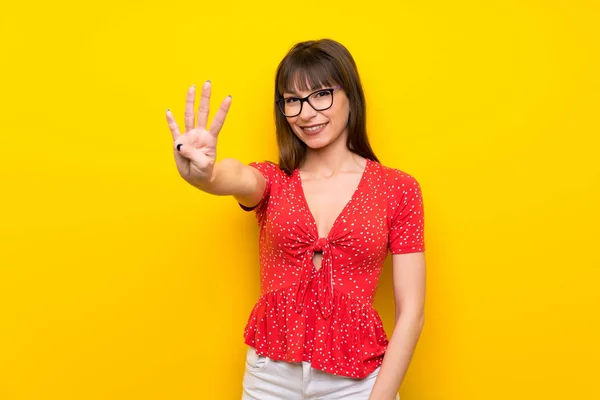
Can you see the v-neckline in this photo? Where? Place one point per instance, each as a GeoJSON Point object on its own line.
{"type": "Point", "coordinates": [335, 222]}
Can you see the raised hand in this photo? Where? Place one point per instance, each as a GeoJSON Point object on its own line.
{"type": "Point", "coordinates": [196, 149]}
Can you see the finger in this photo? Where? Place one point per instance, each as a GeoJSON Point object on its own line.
{"type": "Point", "coordinates": [219, 119]}
{"type": "Point", "coordinates": [180, 142]}
{"type": "Point", "coordinates": [187, 154]}
{"type": "Point", "coordinates": [182, 162]}
{"type": "Point", "coordinates": [173, 125]}
{"type": "Point", "coordinates": [204, 105]}
{"type": "Point", "coordinates": [189, 108]}
{"type": "Point", "coordinates": [182, 149]}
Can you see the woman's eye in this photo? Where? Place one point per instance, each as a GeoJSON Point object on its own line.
{"type": "Point", "coordinates": [323, 93]}
{"type": "Point", "coordinates": [290, 100]}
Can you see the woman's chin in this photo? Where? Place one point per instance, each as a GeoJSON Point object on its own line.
{"type": "Point", "coordinates": [315, 143]}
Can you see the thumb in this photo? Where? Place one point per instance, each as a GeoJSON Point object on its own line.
{"type": "Point", "coordinates": [187, 151]}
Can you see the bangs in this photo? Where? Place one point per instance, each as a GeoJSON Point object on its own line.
{"type": "Point", "coordinates": [307, 71]}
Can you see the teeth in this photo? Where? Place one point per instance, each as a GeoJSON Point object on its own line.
{"type": "Point", "coordinates": [314, 128]}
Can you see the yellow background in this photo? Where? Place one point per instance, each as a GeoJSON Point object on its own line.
{"type": "Point", "coordinates": [120, 281]}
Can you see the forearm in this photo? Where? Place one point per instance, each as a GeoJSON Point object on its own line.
{"type": "Point", "coordinates": [228, 178]}
{"type": "Point", "coordinates": [397, 357]}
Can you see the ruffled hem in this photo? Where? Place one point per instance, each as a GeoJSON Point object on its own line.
{"type": "Point", "coordinates": [351, 342]}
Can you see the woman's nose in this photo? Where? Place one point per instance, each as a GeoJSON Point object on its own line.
{"type": "Point", "coordinates": [307, 111]}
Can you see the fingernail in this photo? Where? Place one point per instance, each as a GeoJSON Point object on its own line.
{"type": "Point", "coordinates": [208, 81]}
{"type": "Point", "coordinates": [229, 96]}
{"type": "Point", "coordinates": [193, 85]}
{"type": "Point", "coordinates": [179, 147]}
{"type": "Point", "coordinates": [168, 110]}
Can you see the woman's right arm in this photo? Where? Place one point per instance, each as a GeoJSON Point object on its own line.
{"type": "Point", "coordinates": [195, 154]}
{"type": "Point", "coordinates": [232, 177]}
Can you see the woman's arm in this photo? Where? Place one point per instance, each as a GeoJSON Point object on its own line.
{"type": "Point", "coordinates": [232, 177]}
{"type": "Point", "coordinates": [195, 153]}
{"type": "Point", "coordinates": [409, 295]}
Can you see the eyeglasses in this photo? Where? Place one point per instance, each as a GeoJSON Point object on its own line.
{"type": "Point", "coordinates": [319, 100]}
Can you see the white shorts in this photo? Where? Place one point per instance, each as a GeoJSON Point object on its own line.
{"type": "Point", "coordinates": [267, 379]}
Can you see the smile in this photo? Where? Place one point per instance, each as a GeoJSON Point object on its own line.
{"type": "Point", "coordinates": [314, 129]}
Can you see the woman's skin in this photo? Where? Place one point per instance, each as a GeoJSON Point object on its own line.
{"type": "Point", "coordinates": [196, 157]}
{"type": "Point", "coordinates": [330, 173]}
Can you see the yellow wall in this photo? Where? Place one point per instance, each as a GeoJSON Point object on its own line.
{"type": "Point", "coordinates": [120, 281]}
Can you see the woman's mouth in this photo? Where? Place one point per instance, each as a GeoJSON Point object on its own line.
{"type": "Point", "coordinates": [314, 129]}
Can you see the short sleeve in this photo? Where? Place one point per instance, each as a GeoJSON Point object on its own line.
{"type": "Point", "coordinates": [406, 219]}
{"type": "Point", "coordinates": [269, 170]}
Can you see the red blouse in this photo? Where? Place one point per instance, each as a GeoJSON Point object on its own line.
{"type": "Point", "coordinates": [326, 316]}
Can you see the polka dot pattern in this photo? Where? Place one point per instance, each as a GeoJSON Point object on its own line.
{"type": "Point", "coordinates": [325, 316]}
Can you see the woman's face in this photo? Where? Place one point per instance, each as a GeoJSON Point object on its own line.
{"type": "Point", "coordinates": [318, 129]}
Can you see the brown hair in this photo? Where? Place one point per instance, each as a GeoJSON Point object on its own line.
{"type": "Point", "coordinates": [309, 66]}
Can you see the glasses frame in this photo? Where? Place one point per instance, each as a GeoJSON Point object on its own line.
{"type": "Point", "coordinates": [281, 102]}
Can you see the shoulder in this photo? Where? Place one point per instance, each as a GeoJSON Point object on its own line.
{"type": "Point", "coordinates": [271, 171]}
{"type": "Point", "coordinates": [264, 165]}
{"type": "Point", "coordinates": [267, 168]}
{"type": "Point", "coordinates": [398, 179]}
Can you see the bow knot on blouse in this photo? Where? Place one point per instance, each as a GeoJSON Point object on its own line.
{"type": "Point", "coordinates": [320, 244]}
{"type": "Point", "coordinates": [323, 277]}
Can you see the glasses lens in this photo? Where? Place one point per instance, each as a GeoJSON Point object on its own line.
{"type": "Point", "coordinates": [321, 100]}
{"type": "Point", "coordinates": [290, 106]}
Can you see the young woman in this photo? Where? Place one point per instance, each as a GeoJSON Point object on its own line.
{"type": "Point", "coordinates": [328, 214]}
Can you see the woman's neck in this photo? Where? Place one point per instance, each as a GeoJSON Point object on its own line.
{"type": "Point", "coordinates": [332, 159]}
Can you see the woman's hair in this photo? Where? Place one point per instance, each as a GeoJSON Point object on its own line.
{"type": "Point", "coordinates": [309, 66]}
